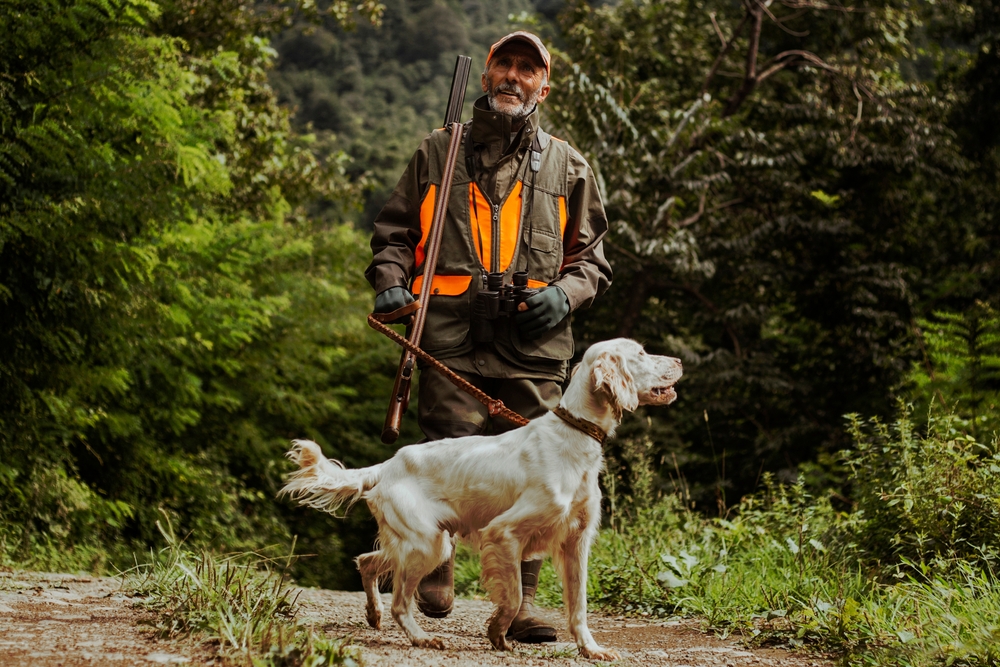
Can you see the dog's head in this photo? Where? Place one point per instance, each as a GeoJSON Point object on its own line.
{"type": "Point", "coordinates": [621, 369]}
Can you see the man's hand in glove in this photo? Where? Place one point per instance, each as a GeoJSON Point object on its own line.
{"type": "Point", "coordinates": [541, 312]}
{"type": "Point", "coordinates": [392, 299]}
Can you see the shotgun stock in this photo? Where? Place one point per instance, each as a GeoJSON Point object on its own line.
{"type": "Point", "coordinates": [404, 374]}
{"type": "Point", "coordinates": [400, 399]}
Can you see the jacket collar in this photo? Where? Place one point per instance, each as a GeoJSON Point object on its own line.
{"type": "Point", "coordinates": [493, 130]}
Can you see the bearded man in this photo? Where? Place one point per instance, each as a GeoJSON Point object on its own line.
{"type": "Point", "coordinates": [521, 201]}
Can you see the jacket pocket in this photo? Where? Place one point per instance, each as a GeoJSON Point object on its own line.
{"type": "Point", "coordinates": [447, 324]}
{"type": "Point", "coordinates": [544, 256]}
{"type": "Point", "coordinates": [555, 345]}
{"type": "Point", "coordinates": [444, 285]}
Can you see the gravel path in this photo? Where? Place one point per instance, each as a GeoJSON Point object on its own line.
{"type": "Point", "coordinates": [49, 620]}
{"type": "Point", "coordinates": [74, 621]}
{"type": "Point", "coordinates": [641, 643]}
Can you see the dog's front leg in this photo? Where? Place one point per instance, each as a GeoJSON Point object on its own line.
{"type": "Point", "coordinates": [501, 559]}
{"type": "Point", "coordinates": [573, 563]}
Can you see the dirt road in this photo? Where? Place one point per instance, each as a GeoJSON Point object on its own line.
{"type": "Point", "coordinates": [49, 620]}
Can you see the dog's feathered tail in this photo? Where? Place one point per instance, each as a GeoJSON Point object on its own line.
{"type": "Point", "coordinates": [322, 483]}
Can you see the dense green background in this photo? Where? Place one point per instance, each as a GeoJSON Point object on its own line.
{"type": "Point", "coordinates": [185, 189]}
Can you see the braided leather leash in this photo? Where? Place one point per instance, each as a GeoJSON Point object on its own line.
{"type": "Point", "coordinates": [495, 407]}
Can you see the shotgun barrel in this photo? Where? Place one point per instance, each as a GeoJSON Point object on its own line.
{"type": "Point", "coordinates": [404, 374]}
{"type": "Point", "coordinates": [459, 82]}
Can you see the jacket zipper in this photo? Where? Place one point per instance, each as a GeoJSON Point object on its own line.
{"type": "Point", "coordinates": [495, 243]}
{"type": "Point", "coordinates": [495, 231]}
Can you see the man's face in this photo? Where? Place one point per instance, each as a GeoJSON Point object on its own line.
{"type": "Point", "coordinates": [513, 80]}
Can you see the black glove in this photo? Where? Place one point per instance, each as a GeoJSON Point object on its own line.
{"type": "Point", "coordinates": [545, 310]}
{"type": "Point", "coordinates": [392, 299]}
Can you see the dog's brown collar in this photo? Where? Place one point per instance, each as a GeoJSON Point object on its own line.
{"type": "Point", "coordinates": [590, 428]}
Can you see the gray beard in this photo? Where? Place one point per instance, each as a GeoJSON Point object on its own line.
{"type": "Point", "coordinates": [519, 111]}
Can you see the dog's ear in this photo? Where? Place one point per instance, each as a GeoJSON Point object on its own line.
{"type": "Point", "coordinates": [611, 376]}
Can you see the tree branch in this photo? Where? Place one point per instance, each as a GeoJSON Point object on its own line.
{"type": "Point", "coordinates": [697, 216]}
{"type": "Point", "coordinates": [755, 11]}
{"type": "Point", "coordinates": [756, 14]}
{"type": "Point", "coordinates": [718, 30]}
{"type": "Point", "coordinates": [726, 48]}
{"type": "Point", "coordinates": [625, 251]}
{"type": "Point", "coordinates": [724, 205]}
{"type": "Point", "coordinates": [691, 289]}
{"type": "Point", "coordinates": [857, 118]}
{"type": "Point", "coordinates": [809, 4]}
{"type": "Point", "coordinates": [781, 25]}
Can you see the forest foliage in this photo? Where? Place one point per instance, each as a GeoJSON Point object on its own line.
{"type": "Point", "coordinates": [792, 191]}
{"type": "Point", "coordinates": [802, 200]}
{"type": "Point", "coordinates": [171, 316]}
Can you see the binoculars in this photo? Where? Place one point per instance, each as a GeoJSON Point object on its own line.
{"type": "Point", "coordinates": [496, 301]}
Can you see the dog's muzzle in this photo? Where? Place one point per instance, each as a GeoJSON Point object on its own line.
{"type": "Point", "coordinates": [663, 395]}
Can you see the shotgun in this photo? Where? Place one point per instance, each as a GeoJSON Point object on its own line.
{"type": "Point", "coordinates": [404, 374]}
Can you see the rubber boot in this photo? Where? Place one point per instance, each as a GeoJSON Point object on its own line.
{"type": "Point", "coordinates": [436, 591]}
{"type": "Point", "coordinates": [527, 627]}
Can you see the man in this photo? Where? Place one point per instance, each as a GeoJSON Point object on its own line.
{"type": "Point", "coordinates": [521, 200]}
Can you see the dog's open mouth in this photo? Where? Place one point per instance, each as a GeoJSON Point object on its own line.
{"type": "Point", "coordinates": [663, 394]}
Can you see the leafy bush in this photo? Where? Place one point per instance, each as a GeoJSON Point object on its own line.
{"type": "Point", "coordinates": [669, 560]}
{"type": "Point", "coordinates": [925, 498]}
{"type": "Point", "coordinates": [960, 369]}
{"type": "Point", "coordinates": [67, 512]}
{"type": "Point", "coordinates": [907, 578]}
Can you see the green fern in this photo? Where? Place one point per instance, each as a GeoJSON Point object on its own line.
{"type": "Point", "coordinates": [960, 369]}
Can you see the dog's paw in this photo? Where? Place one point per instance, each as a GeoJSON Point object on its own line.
{"type": "Point", "coordinates": [374, 617]}
{"type": "Point", "coordinates": [496, 630]}
{"type": "Point", "coordinates": [430, 642]}
{"type": "Point", "coordinates": [499, 640]}
{"type": "Point", "coordinates": [599, 653]}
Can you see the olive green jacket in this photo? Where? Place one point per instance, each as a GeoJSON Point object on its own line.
{"type": "Point", "coordinates": [550, 223]}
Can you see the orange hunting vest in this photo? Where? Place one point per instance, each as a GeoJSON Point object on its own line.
{"type": "Point", "coordinates": [523, 232]}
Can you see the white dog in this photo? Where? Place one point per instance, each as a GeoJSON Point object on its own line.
{"type": "Point", "coordinates": [519, 495]}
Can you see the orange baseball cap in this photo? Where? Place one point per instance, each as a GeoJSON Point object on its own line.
{"type": "Point", "coordinates": [523, 36]}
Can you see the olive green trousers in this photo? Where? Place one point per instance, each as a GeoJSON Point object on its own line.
{"type": "Point", "coordinates": [445, 411]}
